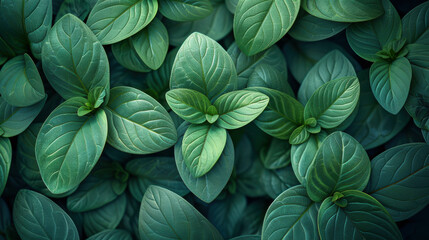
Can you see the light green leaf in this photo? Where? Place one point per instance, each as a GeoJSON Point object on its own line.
{"type": "Point", "coordinates": [332, 66]}
{"type": "Point", "coordinates": [282, 115]}
{"type": "Point", "coordinates": [115, 20]}
{"type": "Point", "coordinates": [111, 234]}
{"type": "Point", "coordinates": [268, 76]}
{"type": "Point", "coordinates": [367, 38]}
{"type": "Point", "coordinates": [390, 83]}
{"type": "Point", "coordinates": [126, 55]}
{"type": "Point", "coordinates": [344, 10]}
{"type": "Point", "coordinates": [74, 61]}
{"type": "Point", "coordinates": [106, 217]}
{"type": "Point", "coordinates": [69, 146]}
{"type": "Point", "coordinates": [340, 164]}
{"type": "Point", "coordinates": [292, 215]}
{"type": "Point", "coordinates": [309, 28]}
{"type": "Point", "coordinates": [238, 108]}
{"type": "Point", "coordinates": [203, 65]}
{"type": "Point", "coordinates": [209, 186]}
{"type": "Point", "coordinates": [302, 156]}
{"type": "Point", "coordinates": [189, 104]}
{"type": "Point", "coordinates": [362, 218]}
{"type": "Point", "coordinates": [277, 181]}
{"type": "Point", "coordinates": [137, 123]}
{"type": "Point", "coordinates": [299, 135]}
{"type": "Point", "coordinates": [202, 146]}
{"type": "Point", "coordinates": [399, 179]}
{"type": "Point", "coordinates": [415, 25]}
{"type": "Point", "coordinates": [79, 8]}
{"type": "Point", "coordinates": [185, 10]}
{"type": "Point", "coordinates": [151, 44]}
{"type": "Point", "coordinates": [162, 215]}
{"type": "Point", "coordinates": [20, 82]}
{"type": "Point", "coordinates": [160, 171]}
{"type": "Point", "coordinates": [5, 161]}
{"type": "Point", "coordinates": [37, 217]}
{"type": "Point", "coordinates": [216, 26]}
{"type": "Point", "coordinates": [259, 24]}
{"type": "Point", "coordinates": [333, 102]}
{"type": "Point", "coordinates": [14, 120]}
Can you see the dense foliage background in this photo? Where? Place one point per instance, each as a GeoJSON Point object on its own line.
{"type": "Point", "coordinates": [214, 119]}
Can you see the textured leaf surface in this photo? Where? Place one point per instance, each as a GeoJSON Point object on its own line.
{"type": "Point", "coordinates": [5, 161]}
{"type": "Point", "coordinates": [344, 10]}
{"type": "Point", "coordinates": [209, 186]}
{"type": "Point", "coordinates": [268, 76]}
{"type": "Point", "coordinates": [362, 218]}
{"type": "Point", "coordinates": [115, 234]}
{"type": "Point", "coordinates": [138, 124]}
{"type": "Point", "coordinates": [202, 146]}
{"type": "Point", "coordinates": [277, 181]}
{"type": "Point", "coordinates": [399, 179]}
{"type": "Point", "coordinates": [340, 164]}
{"type": "Point", "coordinates": [37, 217]}
{"type": "Point", "coordinates": [115, 20]}
{"type": "Point", "coordinates": [237, 109]}
{"type": "Point", "coordinates": [20, 82]}
{"type": "Point", "coordinates": [260, 24]}
{"type": "Point", "coordinates": [203, 65]}
{"type": "Point", "coordinates": [79, 8]}
{"type": "Point", "coordinates": [390, 83]}
{"type": "Point", "coordinates": [415, 25]}
{"type": "Point", "coordinates": [126, 55]}
{"type": "Point", "coordinates": [332, 66]}
{"type": "Point", "coordinates": [185, 10]}
{"type": "Point", "coordinates": [333, 102]}
{"type": "Point", "coordinates": [74, 61]}
{"type": "Point", "coordinates": [367, 38]}
{"type": "Point", "coordinates": [162, 213]}
{"type": "Point", "coordinates": [189, 104]}
{"type": "Point", "coordinates": [282, 115]}
{"type": "Point", "coordinates": [276, 155]}
{"type": "Point", "coordinates": [292, 215]}
{"type": "Point", "coordinates": [68, 146]}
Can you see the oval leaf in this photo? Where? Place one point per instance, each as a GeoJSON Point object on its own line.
{"type": "Point", "coordinates": [69, 146]}
{"type": "Point", "coordinates": [126, 55]}
{"type": "Point", "coordinates": [415, 25]}
{"type": "Point", "coordinates": [5, 161]}
{"type": "Point", "coordinates": [185, 10]}
{"type": "Point", "coordinates": [189, 104]}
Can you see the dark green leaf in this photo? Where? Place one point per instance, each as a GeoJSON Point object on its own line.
{"type": "Point", "coordinates": [115, 234]}
{"type": "Point", "coordinates": [277, 181]}
{"type": "Point", "coordinates": [5, 161]}
{"type": "Point", "coordinates": [415, 24]}
{"type": "Point", "coordinates": [276, 155]}
{"type": "Point", "coordinates": [79, 8]}
{"type": "Point", "coordinates": [268, 76]}
{"type": "Point", "coordinates": [126, 55]}
{"type": "Point", "coordinates": [185, 10]}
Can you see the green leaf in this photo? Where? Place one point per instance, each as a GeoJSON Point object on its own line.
{"type": "Point", "coordinates": [5, 161]}
{"type": "Point", "coordinates": [209, 186]}
{"type": "Point", "coordinates": [276, 155]}
{"type": "Point", "coordinates": [344, 10]}
{"type": "Point", "coordinates": [189, 104]}
{"type": "Point", "coordinates": [332, 66]}
{"type": "Point", "coordinates": [418, 56]}
{"type": "Point", "coordinates": [239, 108]}
{"type": "Point", "coordinates": [203, 65]}
{"type": "Point", "coordinates": [137, 123]}
{"type": "Point", "coordinates": [268, 76]}
{"type": "Point", "coordinates": [216, 26]}
{"type": "Point", "coordinates": [113, 21]}
{"type": "Point", "coordinates": [126, 55]}
{"type": "Point", "coordinates": [292, 215]}
{"type": "Point", "coordinates": [340, 164]}
{"type": "Point", "coordinates": [309, 28]}
{"type": "Point", "coordinates": [159, 80]}
{"type": "Point", "coordinates": [5, 217]}
{"type": "Point", "coordinates": [96, 97]}
{"type": "Point", "coordinates": [247, 237]}
{"type": "Point", "coordinates": [260, 24]}
{"type": "Point", "coordinates": [398, 179]}
{"type": "Point", "coordinates": [390, 83]}
{"type": "Point", "coordinates": [37, 217]}
{"type": "Point", "coordinates": [202, 146]}
{"type": "Point", "coordinates": [69, 146]}
{"type": "Point", "coordinates": [415, 25]}
{"type": "Point", "coordinates": [282, 115]}
{"type": "Point", "coordinates": [302, 156]}
{"type": "Point", "coordinates": [74, 61]}
{"type": "Point", "coordinates": [185, 10]}
{"type": "Point", "coordinates": [160, 171]}
{"type": "Point", "coordinates": [151, 44]}
{"type": "Point", "coordinates": [20, 82]}
{"type": "Point", "coordinates": [362, 218]}
{"type": "Point", "coordinates": [247, 65]}
{"type": "Point", "coordinates": [111, 234]}
{"type": "Point", "coordinates": [14, 120]}
{"type": "Point", "coordinates": [79, 8]}
{"type": "Point", "coordinates": [277, 181]}
{"type": "Point", "coordinates": [368, 38]}
{"type": "Point", "coordinates": [333, 102]}
{"type": "Point", "coordinates": [299, 135]}
{"type": "Point", "coordinates": [162, 215]}
{"type": "Point", "coordinates": [106, 217]}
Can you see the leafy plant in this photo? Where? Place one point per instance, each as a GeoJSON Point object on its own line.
{"type": "Point", "coordinates": [214, 119]}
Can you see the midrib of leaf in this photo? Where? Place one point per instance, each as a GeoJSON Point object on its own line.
{"type": "Point", "coordinates": [204, 144]}
{"type": "Point", "coordinates": [37, 220]}
{"type": "Point", "coordinates": [163, 215]}
{"type": "Point", "coordinates": [296, 221]}
{"type": "Point", "coordinates": [187, 4]}
{"type": "Point", "coordinates": [74, 68]}
{"type": "Point", "coordinates": [262, 23]}
{"type": "Point", "coordinates": [120, 15]}
{"type": "Point", "coordinates": [333, 102]}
